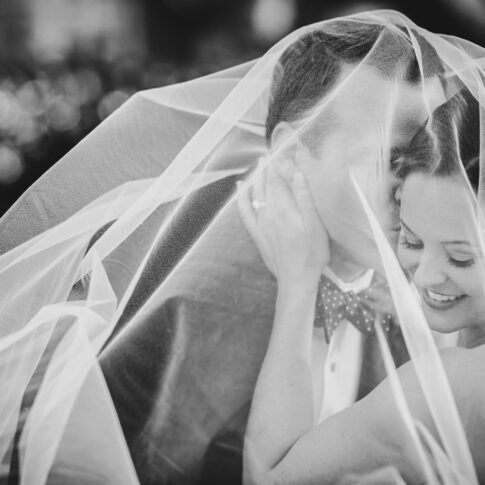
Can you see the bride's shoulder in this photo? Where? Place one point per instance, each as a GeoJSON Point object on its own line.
{"type": "Point", "coordinates": [463, 368]}
{"type": "Point", "coordinates": [464, 372]}
{"type": "Point", "coordinates": [462, 362]}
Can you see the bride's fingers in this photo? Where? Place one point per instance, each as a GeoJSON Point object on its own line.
{"type": "Point", "coordinates": [286, 169]}
{"type": "Point", "coordinates": [246, 210]}
{"type": "Point", "coordinates": [279, 195]}
{"type": "Point", "coordinates": [304, 201]}
{"type": "Point", "coordinates": [250, 220]}
{"type": "Point", "coordinates": [259, 183]}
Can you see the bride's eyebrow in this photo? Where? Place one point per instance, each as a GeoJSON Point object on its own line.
{"type": "Point", "coordinates": [460, 243]}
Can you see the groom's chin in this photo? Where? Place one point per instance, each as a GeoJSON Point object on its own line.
{"type": "Point", "coordinates": [362, 252]}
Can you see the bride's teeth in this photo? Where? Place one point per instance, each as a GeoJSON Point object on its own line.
{"type": "Point", "coordinates": [438, 297]}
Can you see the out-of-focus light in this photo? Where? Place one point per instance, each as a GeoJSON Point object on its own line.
{"type": "Point", "coordinates": [67, 84]}
{"type": "Point", "coordinates": [32, 97]}
{"type": "Point", "coordinates": [472, 9]}
{"type": "Point", "coordinates": [90, 86]}
{"type": "Point", "coordinates": [10, 112]}
{"type": "Point", "coordinates": [29, 131]}
{"type": "Point", "coordinates": [111, 102]}
{"type": "Point", "coordinates": [63, 113]}
{"type": "Point", "coordinates": [272, 19]}
{"type": "Point", "coordinates": [11, 164]}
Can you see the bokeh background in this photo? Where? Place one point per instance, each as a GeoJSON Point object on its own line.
{"type": "Point", "coordinates": [67, 64]}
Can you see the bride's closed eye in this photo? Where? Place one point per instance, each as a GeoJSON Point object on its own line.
{"type": "Point", "coordinates": [461, 260]}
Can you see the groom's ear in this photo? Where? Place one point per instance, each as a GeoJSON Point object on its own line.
{"type": "Point", "coordinates": [283, 150]}
{"type": "Point", "coordinates": [282, 137]}
{"type": "Point", "coordinates": [287, 146]}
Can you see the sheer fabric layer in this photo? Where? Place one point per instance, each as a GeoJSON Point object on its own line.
{"type": "Point", "coordinates": [137, 309]}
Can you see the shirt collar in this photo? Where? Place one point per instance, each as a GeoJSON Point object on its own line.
{"type": "Point", "coordinates": [358, 284]}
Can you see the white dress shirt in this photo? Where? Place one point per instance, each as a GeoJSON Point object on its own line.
{"type": "Point", "coordinates": [336, 366]}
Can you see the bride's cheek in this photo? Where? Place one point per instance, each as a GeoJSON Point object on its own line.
{"type": "Point", "coordinates": [472, 283]}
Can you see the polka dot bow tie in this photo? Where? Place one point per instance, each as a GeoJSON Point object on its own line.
{"type": "Point", "coordinates": [360, 309]}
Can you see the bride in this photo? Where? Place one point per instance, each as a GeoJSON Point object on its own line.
{"type": "Point", "coordinates": [440, 250]}
{"type": "Point", "coordinates": [138, 313]}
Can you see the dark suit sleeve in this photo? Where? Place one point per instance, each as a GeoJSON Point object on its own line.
{"type": "Point", "coordinates": [182, 374]}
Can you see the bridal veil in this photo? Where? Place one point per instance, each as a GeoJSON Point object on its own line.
{"type": "Point", "coordinates": [135, 308]}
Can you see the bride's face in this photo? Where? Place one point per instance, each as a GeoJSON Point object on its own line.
{"type": "Point", "coordinates": [439, 247]}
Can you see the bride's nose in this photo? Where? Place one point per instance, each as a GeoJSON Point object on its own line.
{"type": "Point", "coordinates": [429, 271]}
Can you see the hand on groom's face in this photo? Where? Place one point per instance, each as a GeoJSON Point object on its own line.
{"type": "Point", "coordinates": [369, 119]}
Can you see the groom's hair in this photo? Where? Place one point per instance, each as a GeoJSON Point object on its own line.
{"type": "Point", "coordinates": [308, 68]}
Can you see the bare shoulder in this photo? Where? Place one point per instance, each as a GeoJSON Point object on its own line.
{"type": "Point", "coordinates": [464, 371]}
{"type": "Point", "coordinates": [460, 364]}
{"type": "Point", "coordinates": [464, 374]}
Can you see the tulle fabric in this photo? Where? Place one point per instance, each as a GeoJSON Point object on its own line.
{"type": "Point", "coordinates": [135, 307]}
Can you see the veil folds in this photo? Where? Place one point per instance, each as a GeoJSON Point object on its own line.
{"type": "Point", "coordinates": [136, 308]}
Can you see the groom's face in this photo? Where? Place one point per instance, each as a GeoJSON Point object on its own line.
{"type": "Point", "coordinates": [368, 117]}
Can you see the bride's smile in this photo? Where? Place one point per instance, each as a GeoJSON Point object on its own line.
{"type": "Point", "coordinates": [440, 301]}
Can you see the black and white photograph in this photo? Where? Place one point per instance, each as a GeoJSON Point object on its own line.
{"type": "Point", "coordinates": [242, 242]}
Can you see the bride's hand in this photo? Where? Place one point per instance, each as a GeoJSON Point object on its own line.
{"type": "Point", "coordinates": [282, 219]}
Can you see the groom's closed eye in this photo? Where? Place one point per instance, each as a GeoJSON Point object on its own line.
{"type": "Point", "coordinates": [407, 243]}
{"type": "Point", "coordinates": [407, 238]}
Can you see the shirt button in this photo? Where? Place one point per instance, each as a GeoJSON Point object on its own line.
{"type": "Point", "coordinates": [332, 367]}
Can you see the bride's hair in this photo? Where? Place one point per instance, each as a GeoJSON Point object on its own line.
{"type": "Point", "coordinates": [308, 68]}
{"type": "Point", "coordinates": [446, 144]}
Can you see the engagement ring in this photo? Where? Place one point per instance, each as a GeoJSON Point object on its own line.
{"type": "Point", "coordinates": [257, 204]}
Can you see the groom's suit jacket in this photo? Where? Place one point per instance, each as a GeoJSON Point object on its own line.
{"type": "Point", "coordinates": [182, 377]}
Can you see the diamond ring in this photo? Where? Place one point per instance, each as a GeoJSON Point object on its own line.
{"type": "Point", "coordinates": [257, 204]}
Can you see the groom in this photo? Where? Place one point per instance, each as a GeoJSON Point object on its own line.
{"type": "Point", "coordinates": [182, 382]}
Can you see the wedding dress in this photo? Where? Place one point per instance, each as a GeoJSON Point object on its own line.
{"type": "Point", "coordinates": [135, 307]}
